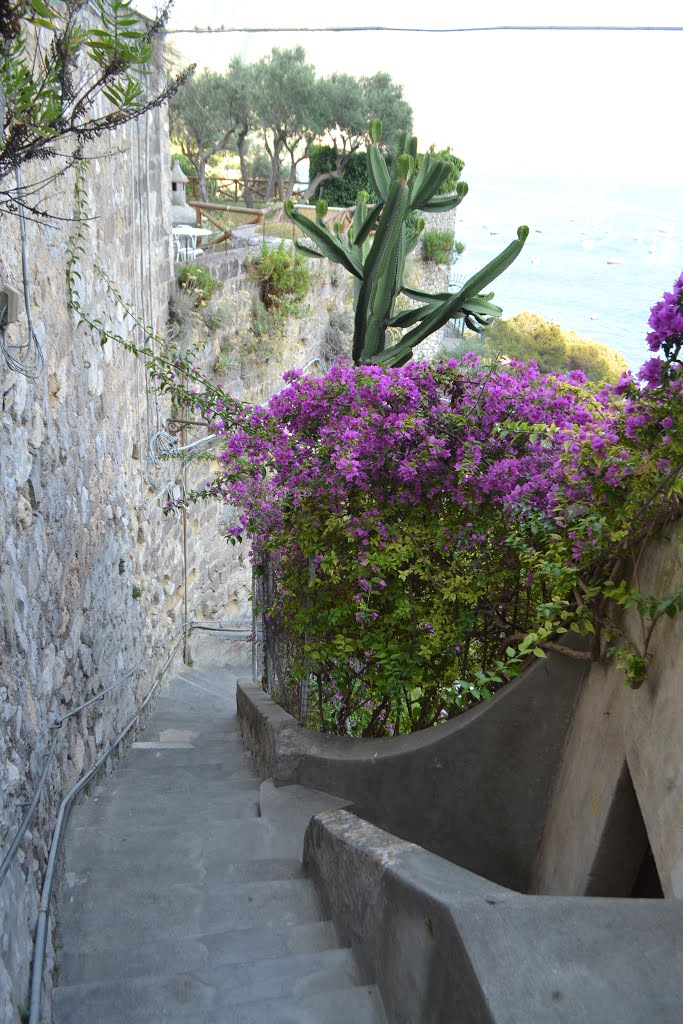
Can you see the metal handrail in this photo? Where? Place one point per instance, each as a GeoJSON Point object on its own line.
{"type": "Point", "coordinates": [26, 821]}
{"type": "Point", "coordinates": [56, 725]}
{"type": "Point", "coordinates": [55, 846]}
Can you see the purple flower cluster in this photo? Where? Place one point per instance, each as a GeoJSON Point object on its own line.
{"type": "Point", "coordinates": [423, 508]}
{"type": "Point", "coordinates": [666, 319]}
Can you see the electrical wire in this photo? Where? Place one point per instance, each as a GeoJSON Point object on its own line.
{"type": "Point", "coordinates": [222, 30]}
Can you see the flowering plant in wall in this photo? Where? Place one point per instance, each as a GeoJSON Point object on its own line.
{"type": "Point", "coordinates": [431, 528]}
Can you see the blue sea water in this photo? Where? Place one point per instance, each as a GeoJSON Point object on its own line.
{"type": "Point", "coordinates": [597, 259]}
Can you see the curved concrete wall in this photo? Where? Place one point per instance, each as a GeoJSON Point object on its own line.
{"type": "Point", "coordinates": [444, 945]}
{"type": "Point", "coordinates": [474, 790]}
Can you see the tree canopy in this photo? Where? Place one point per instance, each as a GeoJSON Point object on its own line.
{"type": "Point", "coordinates": [281, 101]}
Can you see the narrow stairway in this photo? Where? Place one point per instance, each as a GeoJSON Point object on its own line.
{"type": "Point", "coordinates": [184, 898]}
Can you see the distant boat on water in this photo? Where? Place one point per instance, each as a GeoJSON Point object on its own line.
{"type": "Point", "coordinates": [614, 261]}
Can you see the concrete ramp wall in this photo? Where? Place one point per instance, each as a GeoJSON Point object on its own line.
{"type": "Point", "coordinates": [444, 945]}
{"type": "Point", "coordinates": [475, 790]}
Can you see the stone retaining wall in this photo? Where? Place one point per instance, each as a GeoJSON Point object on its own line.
{"type": "Point", "coordinates": [92, 574]}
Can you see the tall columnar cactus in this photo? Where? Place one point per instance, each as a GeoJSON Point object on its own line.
{"type": "Point", "coordinates": [378, 265]}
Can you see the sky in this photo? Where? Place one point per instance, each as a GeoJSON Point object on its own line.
{"type": "Point", "coordinates": [596, 106]}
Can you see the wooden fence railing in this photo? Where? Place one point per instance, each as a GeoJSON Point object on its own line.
{"type": "Point", "coordinates": [228, 189]}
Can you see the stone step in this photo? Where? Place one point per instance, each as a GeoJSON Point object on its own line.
{"type": "Point", "coordinates": [184, 900]}
{"type": "Point", "coordinates": [242, 839]}
{"type": "Point", "coordinates": [193, 954]}
{"type": "Point", "coordinates": [122, 811]}
{"type": "Point", "coordinates": [99, 877]}
{"type": "Point", "coordinates": [186, 728]}
{"type": "Point", "coordinates": [359, 1005]}
{"type": "Point", "coordinates": [167, 761]}
{"type": "Point", "coordinates": [105, 917]}
{"type": "Point", "coordinates": [243, 771]}
{"type": "Point", "coordinates": [179, 784]}
{"type": "Point", "coordinates": [205, 991]}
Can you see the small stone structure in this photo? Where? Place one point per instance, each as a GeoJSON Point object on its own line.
{"type": "Point", "coordinates": [181, 212]}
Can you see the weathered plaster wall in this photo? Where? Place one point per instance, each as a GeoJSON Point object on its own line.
{"type": "Point", "coordinates": [593, 842]}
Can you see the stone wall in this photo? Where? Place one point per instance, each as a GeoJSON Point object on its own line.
{"type": "Point", "coordinates": [93, 576]}
{"type": "Point", "coordinates": [74, 545]}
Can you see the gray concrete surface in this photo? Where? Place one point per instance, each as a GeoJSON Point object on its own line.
{"type": "Point", "coordinates": [621, 780]}
{"type": "Point", "coordinates": [447, 946]}
{"type": "Point", "coordinates": [475, 790]}
{"type": "Point", "coordinates": [183, 896]}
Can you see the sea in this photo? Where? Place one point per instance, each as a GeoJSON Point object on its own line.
{"type": "Point", "coordinates": [598, 256]}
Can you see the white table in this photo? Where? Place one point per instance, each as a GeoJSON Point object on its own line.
{"type": "Point", "coordinates": [185, 238]}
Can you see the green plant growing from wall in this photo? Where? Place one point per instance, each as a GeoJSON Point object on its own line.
{"type": "Point", "coordinates": [379, 266]}
{"type": "Point", "coordinates": [438, 246]}
{"type": "Point", "coordinates": [197, 282]}
{"type": "Point", "coordinates": [284, 277]}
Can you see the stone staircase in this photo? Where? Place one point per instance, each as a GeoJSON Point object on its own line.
{"type": "Point", "coordinates": [184, 898]}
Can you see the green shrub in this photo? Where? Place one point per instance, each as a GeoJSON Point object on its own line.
{"type": "Point", "coordinates": [528, 336]}
{"type": "Point", "coordinates": [437, 246]}
{"type": "Point", "coordinates": [284, 278]}
{"type": "Point", "coordinates": [598, 362]}
{"type": "Point", "coordinates": [198, 282]}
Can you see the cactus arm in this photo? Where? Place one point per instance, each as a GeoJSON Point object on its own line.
{"type": "Point", "coordinates": [376, 296]}
{"type": "Point", "coordinates": [496, 267]}
{"type": "Point", "coordinates": [441, 204]}
{"type": "Point", "coordinates": [475, 307]}
{"type": "Point", "coordinates": [328, 244]}
{"type": "Point", "coordinates": [420, 177]}
{"type": "Point", "coordinates": [465, 301]}
{"type": "Point", "coordinates": [368, 224]}
{"type": "Point", "coordinates": [306, 251]}
{"type": "Point", "coordinates": [434, 177]}
{"type": "Point", "coordinates": [418, 296]}
{"type": "Point", "coordinates": [378, 173]}
{"type": "Point", "coordinates": [388, 230]}
{"type": "Point", "coordinates": [481, 307]}
{"type": "Point", "coordinates": [437, 204]}
{"type": "Point", "coordinates": [411, 316]}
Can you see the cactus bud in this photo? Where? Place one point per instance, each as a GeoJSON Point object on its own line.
{"type": "Point", "coordinates": [462, 188]}
{"type": "Point", "coordinates": [375, 129]}
{"type": "Point", "coordinates": [321, 209]}
{"type": "Point", "coordinates": [411, 147]}
{"type": "Point", "coordinates": [289, 206]}
{"type": "Point", "coordinates": [363, 197]}
{"type": "Point", "coordinates": [404, 166]}
{"type": "Point", "coordinates": [522, 233]}
{"type": "Point", "coordinates": [337, 228]}
{"type": "Point", "coordinates": [419, 225]}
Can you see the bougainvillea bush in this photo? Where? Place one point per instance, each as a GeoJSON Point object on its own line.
{"type": "Point", "coordinates": [432, 528]}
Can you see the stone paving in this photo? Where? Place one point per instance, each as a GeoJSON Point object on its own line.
{"type": "Point", "coordinates": [184, 898]}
